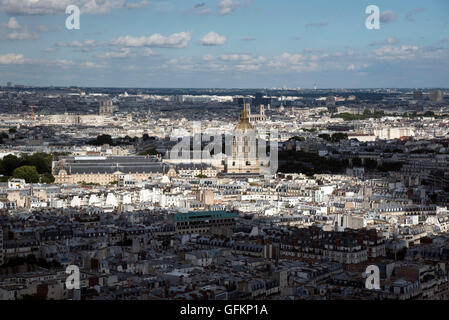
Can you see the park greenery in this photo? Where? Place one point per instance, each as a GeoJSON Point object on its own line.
{"type": "Point", "coordinates": [3, 136]}
{"type": "Point", "coordinates": [336, 137]}
{"type": "Point", "coordinates": [297, 138]}
{"type": "Point", "coordinates": [379, 114]}
{"type": "Point", "coordinates": [33, 168]}
{"type": "Point", "coordinates": [150, 151]}
{"type": "Point", "coordinates": [310, 163]}
{"type": "Point", "coordinates": [107, 139]}
{"type": "Point", "coordinates": [366, 115]}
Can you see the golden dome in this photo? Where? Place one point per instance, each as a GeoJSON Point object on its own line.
{"type": "Point", "coordinates": [244, 124]}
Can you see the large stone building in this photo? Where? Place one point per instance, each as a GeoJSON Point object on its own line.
{"type": "Point", "coordinates": [203, 221]}
{"type": "Point", "coordinates": [107, 107]}
{"type": "Point", "coordinates": [256, 117]}
{"type": "Point", "coordinates": [105, 170]}
{"type": "Point", "coordinates": [245, 148]}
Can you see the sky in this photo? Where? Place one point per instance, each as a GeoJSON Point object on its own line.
{"type": "Point", "coordinates": [225, 44]}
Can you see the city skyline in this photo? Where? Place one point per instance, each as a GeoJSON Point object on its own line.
{"type": "Point", "coordinates": [225, 44]}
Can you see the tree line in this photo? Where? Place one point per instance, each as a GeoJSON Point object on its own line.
{"type": "Point", "coordinates": [33, 168]}
{"type": "Point", "coordinates": [311, 163]}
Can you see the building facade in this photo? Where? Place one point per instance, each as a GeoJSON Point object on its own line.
{"type": "Point", "coordinates": [106, 170]}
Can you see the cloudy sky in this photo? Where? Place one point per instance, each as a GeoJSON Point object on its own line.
{"type": "Point", "coordinates": [225, 43]}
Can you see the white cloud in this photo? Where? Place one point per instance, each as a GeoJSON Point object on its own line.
{"type": "Point", "coordinates": [242, 62]}
{"type": "Point", "coordinates": [12, 58]}
{"type": "Point", "coordinates": [63, 63]}
{"type": "Point", "coordinates": [42, 28]}
{"type": "Point", "coordinates": [204, 11]}
{"type": "Point", "coordinates": [84, 46]}
{"type": "Point", "coordinates": [22, 35]}
{"type": "Point", "coordinates": [391, 40]}
{"type": "Point", "coordinates": [123, 53]}
{"type": "Point", "coordinates": [394, 53]}
{"type": "Point", "coordinates": [229, 6]}
{"type": "Point", "coordinates": [13, 23]}
{"type": "Point", "coordinates": [294, 62]}
{"type": "Point", "coordinates": [91, 65]}
{"type": "Point", "coordinates": [235, 57]}
{"type": "Point", "coordinates": [212, 39]}
{"type": "Point", "coordinates": [136, 5]}
{"type": "Point", "coordinates": [148, 52]}
{"type": "Point", "coordinates": [53, 7]}
{"type": "Point", "coordinates": [19, 32]}
{"type": "Point", "coordinates": [387, 41]}
{"type": "Point", "coordinates": [176, 40]}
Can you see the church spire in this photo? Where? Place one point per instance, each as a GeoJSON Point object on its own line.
{"type": "Point", "coordinates": [244, 124]}
{"type": "Point", "coordinates": [244, 113]}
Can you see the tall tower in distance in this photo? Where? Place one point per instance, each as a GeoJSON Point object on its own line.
{"type": "Point", "coordinates": [107, 107]}
{"type": "Point", "coordinates": [436, 96]}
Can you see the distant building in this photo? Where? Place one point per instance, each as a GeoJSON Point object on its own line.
{"type": "Point", "coordinates": [330, 101]}
{"type": "Point", "coordinates": [105, 170]}
{"type": "Point", "coordinates": [107, 107]}
{"type": "Point", "coordinates": [256, 117]}
{"type": "Point", "coordinates": [245, 148]}
{"type": "Point", "coordinates": [393, 133]}
{"type": "Point", "coordinates": [203, 222]}
{"type": "Point", "coordinates": [436, 96]}
{"type": "Point", "coordinates": [417, 95]}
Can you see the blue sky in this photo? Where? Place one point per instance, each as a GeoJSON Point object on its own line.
{"type": "Point", "coordinates": [225, 43]}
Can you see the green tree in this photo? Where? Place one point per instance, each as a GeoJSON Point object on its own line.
{"type": "Point", "coordinates": [9, 164]}
{"type": "Point", "coordinates": [151, 152]}
{"type": "Point", "coordinates": [325, 136]}
{"type": "Point", "coordinates": [42, 162]}
{"type": "Point", "coordinates": [101, 140]}
{"type": "Point", "coordinates": [356, 162]}
{"type": "Point", "coordinates": [47, 178]}
{"type": "Point", "coordinates": [298, 138]}
{"type": "Point", "coordinates": [29, 173]}
{"type": "Point", "coordinates": [370, 164]}
{"type": "Point", "coordinates": [337, 137]}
